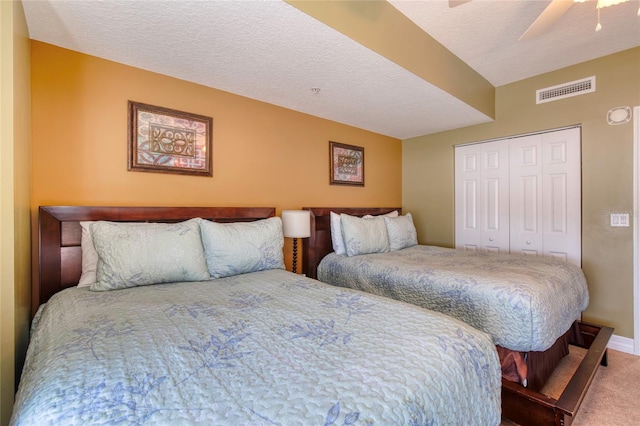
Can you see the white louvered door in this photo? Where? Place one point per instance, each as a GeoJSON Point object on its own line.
{"type": "Point", "coordinates": [540, 212]}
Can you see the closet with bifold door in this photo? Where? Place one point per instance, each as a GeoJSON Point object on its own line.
{"type": "Point", "coordinates": [521, 195]}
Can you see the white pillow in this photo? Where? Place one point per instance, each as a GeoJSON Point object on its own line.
{"type": "Point", "coordinates": [402, 232]}
{"type": "Point", "coordinates": [89, 257]}
{"type": "Point", "coordinates": [336, 234]}
{"type": "Point", "coordinates": [364, 236]}
{"type": "Point", "coordinates": [390, 214]}
{"type": "Point", "coordinates": [336, 230]}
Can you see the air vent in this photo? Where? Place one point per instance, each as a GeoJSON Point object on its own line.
{"type": "Point", "coordinates": [566, 90]}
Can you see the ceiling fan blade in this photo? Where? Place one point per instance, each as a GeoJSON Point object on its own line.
{"type": "Point", "coordinates": [454, 3]}
{"type": "Point", "coordinates": [548, 17]}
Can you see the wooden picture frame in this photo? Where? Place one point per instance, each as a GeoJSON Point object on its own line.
{"type": "Point", "coordinates": [165, 140]}
{"type": "Point", "coordinates": [346, 164]}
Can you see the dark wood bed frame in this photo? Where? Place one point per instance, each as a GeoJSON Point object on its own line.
{"type": "Point", "coordinates": [519, 404]}
{"type": "Point", "coordinates": [59, 254]}
{"type": "Point", "coordinates": [59, 263]}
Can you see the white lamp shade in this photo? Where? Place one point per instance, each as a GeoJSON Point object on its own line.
{"type": "Point", "coordinates": [296, 223]}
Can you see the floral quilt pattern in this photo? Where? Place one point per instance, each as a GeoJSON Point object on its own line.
{"type": "Point", "coordinates": [264, 348]}
{"type": "Point", "coordinates": [524, 303]}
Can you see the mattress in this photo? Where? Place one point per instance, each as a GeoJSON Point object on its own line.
{"type": "Point", "coordinates": [267, 347]}
{"type": "Point", "coordinates": [525, 303]}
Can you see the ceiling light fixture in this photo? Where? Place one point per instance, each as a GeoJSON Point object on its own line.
{"type": "Point", "coordinates": [315, 90]}
{"type": "Point", "coordinates": [604, 3]}
{"type": "Point", "coordinates": [607, 3]}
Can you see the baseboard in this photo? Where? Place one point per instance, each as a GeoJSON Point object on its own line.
{"type": "Point", "coordinates": [622, 344]}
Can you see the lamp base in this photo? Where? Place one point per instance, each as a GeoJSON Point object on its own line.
{"type": "Point", "coordinates": [295, 255]}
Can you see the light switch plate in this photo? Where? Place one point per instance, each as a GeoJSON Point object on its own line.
{"type": "Point", "coordinates": [619, 219]}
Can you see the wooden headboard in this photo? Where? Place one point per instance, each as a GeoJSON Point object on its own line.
{"type": "Point", "coordinates": [318, 245]}
{"type": "Point", "coordinates": [59, 236]}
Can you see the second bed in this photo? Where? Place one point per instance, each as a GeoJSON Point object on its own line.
{"type": "Point", "coordinates": [530, 306]}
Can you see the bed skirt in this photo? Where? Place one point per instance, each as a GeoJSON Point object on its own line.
{"type": "Point", "coordinates": [536, 366]}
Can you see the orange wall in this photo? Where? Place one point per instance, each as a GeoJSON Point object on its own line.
{"type": "Point", "coordinates": [263, 155]}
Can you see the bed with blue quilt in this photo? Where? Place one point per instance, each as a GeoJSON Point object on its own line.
{"type": "Point", "coordinates": [526, 303]}
{"type": "Point", "coordinates": [181, 321]}
{"type": "Point", "coordinates": [529, 305]}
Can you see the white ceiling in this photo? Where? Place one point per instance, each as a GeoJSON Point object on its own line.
{"type": "Point", "coordinates": [270, 51]}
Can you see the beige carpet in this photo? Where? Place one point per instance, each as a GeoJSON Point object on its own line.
{"type": "Point", "coordinates": [614, 395]}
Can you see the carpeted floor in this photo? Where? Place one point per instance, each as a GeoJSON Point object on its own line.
{"type": "Point", "coordinates": [614, 395]}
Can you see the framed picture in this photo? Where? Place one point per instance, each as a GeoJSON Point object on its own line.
{"type": "Point", "coordinates": [164, 140]}
{"type": "Point", "coordinates": [347, 164]}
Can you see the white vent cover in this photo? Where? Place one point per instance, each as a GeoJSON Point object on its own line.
{"type": "Point", "coordinates": [566, 90]}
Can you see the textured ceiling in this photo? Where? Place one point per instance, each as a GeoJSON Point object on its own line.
{"type": "Point", "coordinates": [270, 51]}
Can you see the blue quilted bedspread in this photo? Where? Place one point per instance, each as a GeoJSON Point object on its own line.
{"type": "Point", "coordinates": [263, 348]}
{"type": "Point", "coordinates": [525, 303]}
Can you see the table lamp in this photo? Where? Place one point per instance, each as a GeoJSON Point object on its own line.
{"type": "Point", "coordinates": [296, 224]}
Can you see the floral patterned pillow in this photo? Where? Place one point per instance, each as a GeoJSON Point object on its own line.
{"type": "Point", "coordinates": [337, 240]}
{"type": "Point", "coordinates": [402, 232]}
{"type": "Point", "coordinates": [364, 235]}
{"type": "Point", "coordinates": [242, 247]}
{"type": "Point", "coordinates": [135, 254]}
